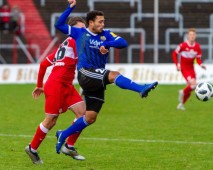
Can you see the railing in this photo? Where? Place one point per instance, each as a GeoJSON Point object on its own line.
{"type": "Point", "coordinates": [161, 15]}
{"type": "Point", "coordinates": [132, 30]}
{"type": "Point", "coordinates": [178, 3]}
{"type": "Point", "coordinates": [211, 23]}
{"type": "Point", "coordinates": [2, 60]}
{"type": "Point", "coordinates": [176, 30]}
{"type": "Point", "coordinates": [50, 46]}
{"type": "Point", "coordinates": [201, 33]}
{"type": "Point", "coordinates": [91, 3]}
{"type": "Point", "coordinates": [42, 2]}
{"type": "Point", "coordinates": [24, 48]}
{"type": "Point", "coordinates": [141, 46]}
{"type": "Point", "coordinates": [206, 33]}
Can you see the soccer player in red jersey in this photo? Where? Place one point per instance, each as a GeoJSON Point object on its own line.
{"type": "Point", "coordinates": [188, 51]}
{"type": "Point", "coordinates": [60, 94]}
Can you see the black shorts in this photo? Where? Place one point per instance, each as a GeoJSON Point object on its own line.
{"type": "Point", "coordinates": [93, 82]}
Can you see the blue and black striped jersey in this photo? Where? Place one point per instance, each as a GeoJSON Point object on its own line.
{"type": "Point", "coordinates": [88, 43]}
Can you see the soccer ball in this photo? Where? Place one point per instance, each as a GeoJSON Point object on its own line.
{"type": "Point", "coordinates": [204, 91]}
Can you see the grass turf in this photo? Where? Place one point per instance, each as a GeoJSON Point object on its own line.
{"type": "Point", "coordinates": [130, 132]}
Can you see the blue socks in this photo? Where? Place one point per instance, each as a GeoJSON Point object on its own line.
{"type": "Point", "coordinates": [126, 83]}
{"type": "Point", "coordinates": [78, 126]}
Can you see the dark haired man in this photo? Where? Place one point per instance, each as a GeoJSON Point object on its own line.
{"type": "Point", "coordinates": [93, 44]}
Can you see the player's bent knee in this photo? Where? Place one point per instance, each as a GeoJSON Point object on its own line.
{"type": "Point", "coordinates": [91, 116]}
{"type": "Point", "coordinates": [113, 75]}
{"type": "Point", "coordinates": [91, 120]}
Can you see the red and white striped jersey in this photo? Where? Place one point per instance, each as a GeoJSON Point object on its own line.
{"type": "Point", "coordinates": [187, 54]}
{"type": "Point", "coordinates": [64, 61]}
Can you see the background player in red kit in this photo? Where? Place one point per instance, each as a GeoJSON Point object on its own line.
{"type": "Point", "coordinates": [60, 94]}
{"type": "Point", "coordinates": [188, 52]}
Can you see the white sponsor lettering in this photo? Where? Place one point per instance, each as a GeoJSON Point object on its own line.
{"type": "Point", "coordinates": [59, 64]}
{"type": "Point", "coordinates": [140, 73]}
{"type": "Point", "coordinates": [95, 42]}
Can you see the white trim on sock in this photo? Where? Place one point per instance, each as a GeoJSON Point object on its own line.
{"type": "Point", "coordinates": [33, 150]}
{"type": "Point", "coordinates": [45, 130]}
{"type": "Point", "coordinates": [84, 120]}
{"type": "Point", "coordinates": [70, 146]}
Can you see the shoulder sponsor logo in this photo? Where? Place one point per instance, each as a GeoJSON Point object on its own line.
{"type": "Point", "coordinates": [113, 34]}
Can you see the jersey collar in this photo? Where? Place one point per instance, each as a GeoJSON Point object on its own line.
{"type": "Point", "coordinates": [91, 32]}
{"type": "Point", "coordinates": [190, 44]}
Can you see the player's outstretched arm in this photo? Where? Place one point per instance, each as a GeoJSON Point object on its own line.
{"type": "Point", "coordinates": [61, 22]}
{"type": "Point", "coordinates": [119, 42]}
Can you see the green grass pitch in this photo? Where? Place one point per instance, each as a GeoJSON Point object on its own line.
{"type": "Point", "coordinates": [130, 133]}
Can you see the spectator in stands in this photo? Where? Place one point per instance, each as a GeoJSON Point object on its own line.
{"type": "Point", "coordinates": [5, 13]}
{"type": "Point", "coordinates": [15, 16]}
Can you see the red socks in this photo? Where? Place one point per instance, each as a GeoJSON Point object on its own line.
{"type": "Point", "coordinates": [72, 139]}
{"type": "Point", "coordinates": [38, 137]}
{"type": "Point", "coordinates": [187, 93]}
{"type": "Point", "coordinates": [41, 134]}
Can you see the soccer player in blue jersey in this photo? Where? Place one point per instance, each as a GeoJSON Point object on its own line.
{"type": "Point", "coordinates": [93, 44]}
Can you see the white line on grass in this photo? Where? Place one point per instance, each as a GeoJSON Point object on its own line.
{"type": "Point", "coordinates": [124, 140]}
